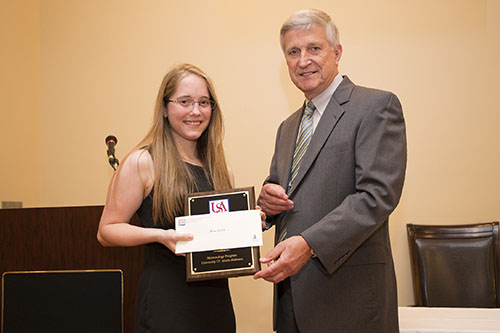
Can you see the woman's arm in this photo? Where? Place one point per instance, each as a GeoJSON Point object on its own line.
{"type": "Point", "coordinates": [128, 188]}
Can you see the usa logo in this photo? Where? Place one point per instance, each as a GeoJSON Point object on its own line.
{"type": "Point", "coordinates": [218, 206]}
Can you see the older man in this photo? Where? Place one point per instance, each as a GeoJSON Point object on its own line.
{"type": "Point", "coordinates": [336, 175]}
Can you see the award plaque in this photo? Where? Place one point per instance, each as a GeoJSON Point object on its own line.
{"type": "Point", "coordinates": [226, 263]}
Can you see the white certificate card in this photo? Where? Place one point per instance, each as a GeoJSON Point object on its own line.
{"type": "Point", "coordinates": [229, 230]}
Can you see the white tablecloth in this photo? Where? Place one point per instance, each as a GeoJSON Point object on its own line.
{"type": "Point", "coordinates": [449, 320]}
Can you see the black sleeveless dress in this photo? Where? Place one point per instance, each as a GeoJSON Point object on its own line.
{"type": "Point", "coordinates": [165, 301]}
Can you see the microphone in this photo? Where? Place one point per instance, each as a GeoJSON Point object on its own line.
{"type": "Point", "coordinates": [111, 142]}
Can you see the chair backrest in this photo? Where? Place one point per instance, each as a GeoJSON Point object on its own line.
{"type": "Point", "coordinates": [455, 265]}
{"type": "Point", "coordinates": [63, 301]}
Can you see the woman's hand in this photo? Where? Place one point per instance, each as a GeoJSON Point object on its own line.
{"type": "Point", "coordinates": [170, 237]}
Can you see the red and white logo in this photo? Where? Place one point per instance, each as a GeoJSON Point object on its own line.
{"type": "Point", "coordinates": [219, 206]}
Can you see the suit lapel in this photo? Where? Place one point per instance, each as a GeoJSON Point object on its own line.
{"type": "Point", "coordinates": [289, 137]}
{"type": "Point", "coordinates": [327, 123]}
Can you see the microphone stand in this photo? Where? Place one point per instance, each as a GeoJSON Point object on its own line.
{"type": "Point", "coordinates": [113, 161]}
{"type": "Point", "coordinates": [111, 141]}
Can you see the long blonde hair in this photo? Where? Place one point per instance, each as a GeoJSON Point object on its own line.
{"type": "Point", "coordinates": [173, 179]}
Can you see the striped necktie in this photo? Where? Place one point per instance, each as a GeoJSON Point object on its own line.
{"type": "Point", "coordinates": [305, 134]}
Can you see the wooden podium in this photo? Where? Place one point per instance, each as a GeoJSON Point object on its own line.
{"type": "Point", "coordinates": [45, 239]}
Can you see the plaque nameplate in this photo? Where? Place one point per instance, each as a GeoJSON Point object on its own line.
{"type": "Point", "coordinates": [225, 263]}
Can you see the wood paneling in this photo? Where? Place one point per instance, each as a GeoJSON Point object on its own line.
{"type": "Point", "coordinates": [65, 238]}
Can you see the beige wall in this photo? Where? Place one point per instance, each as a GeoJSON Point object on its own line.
{"type": "Point", "coordinates": [20, 101]}
{"type": "Point", "coordinates": [76, 71]}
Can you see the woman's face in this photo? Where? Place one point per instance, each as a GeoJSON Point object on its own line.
{"type": "Point", "coordinates": [189, 109]}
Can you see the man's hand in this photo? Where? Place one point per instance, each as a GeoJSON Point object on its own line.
{"type": "Point", "coordinates": [273, 199]}
{"type": "Point", "coordinates": [262, 217]}
{"type": "Point", "coordinates": [286, 259]}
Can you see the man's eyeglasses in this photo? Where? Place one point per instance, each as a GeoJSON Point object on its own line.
{"type": "Point", "coordinates": [188, 103]}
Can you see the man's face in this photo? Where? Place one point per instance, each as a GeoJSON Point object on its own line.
{"type": "Point", "coordinates": [312, 63]}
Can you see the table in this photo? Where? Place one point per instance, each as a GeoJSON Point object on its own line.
{"type": "Point", "coordinates": [448, 320]}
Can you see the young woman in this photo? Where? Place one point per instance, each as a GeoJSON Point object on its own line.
{"type": "Point", "coordinates": [181, 153]}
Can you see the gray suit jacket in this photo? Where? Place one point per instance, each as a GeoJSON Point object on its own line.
{"type": "Point", "coordinates": [349, 181]}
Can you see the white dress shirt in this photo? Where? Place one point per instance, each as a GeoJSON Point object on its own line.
{"type": "Point", "coordinates": [321, 101]}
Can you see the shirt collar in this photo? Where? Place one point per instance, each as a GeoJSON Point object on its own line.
{"type": "Point", "coordinates": [321, 101]}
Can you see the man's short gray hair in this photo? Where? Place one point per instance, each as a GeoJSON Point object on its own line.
{"type": "Point", "coordinates": [307, 19]}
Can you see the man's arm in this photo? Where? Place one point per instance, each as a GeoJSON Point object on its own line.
{"type": "Point", "coordinates": [380, 164]}
{"type": "Point", "coordinates": [273, 198]}
{"type": "Point", "coordinates": [380, 154]}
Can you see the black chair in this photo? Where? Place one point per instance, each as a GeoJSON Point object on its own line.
{"type": "Point", "coordinates": [455, 265]}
